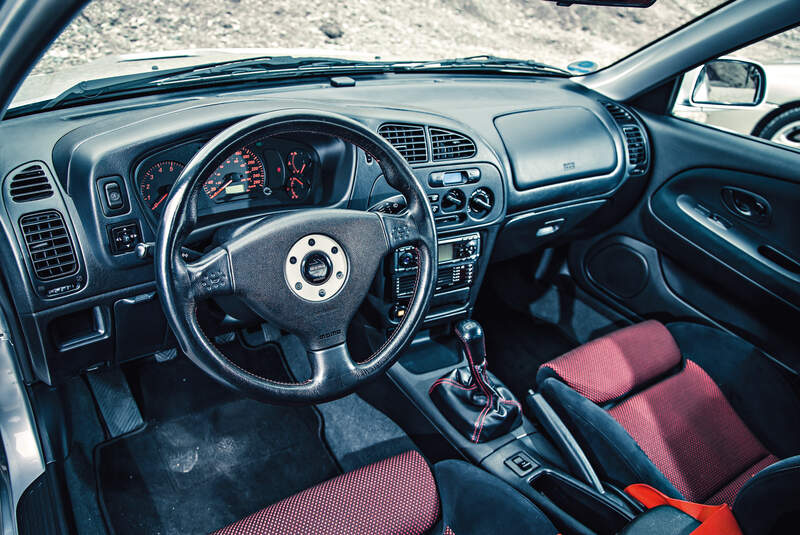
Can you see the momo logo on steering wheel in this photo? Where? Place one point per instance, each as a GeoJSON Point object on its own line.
{"type": "Point", "coordinates": [316, 268]}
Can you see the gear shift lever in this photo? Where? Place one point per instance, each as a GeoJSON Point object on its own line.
{"type": "Point", "coordinates": [470, 333]}
{"type": "Point", "coordinates": [472, 399]}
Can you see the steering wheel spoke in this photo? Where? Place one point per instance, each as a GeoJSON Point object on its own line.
{"type": "Point", "coordinates": [210, 275]}
{"type": "Point", "coordinates": [401, 229]}
{"type": "Point", "coordinates": [333, 367]}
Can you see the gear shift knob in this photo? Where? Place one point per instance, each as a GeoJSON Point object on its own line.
{"type": "Point", "coordinates": [470, 333]}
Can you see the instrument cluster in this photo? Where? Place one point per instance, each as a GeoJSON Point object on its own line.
{"type": "Point", "coordinates": [272, 171]}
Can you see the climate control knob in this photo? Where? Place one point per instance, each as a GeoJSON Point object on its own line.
{"type": "Point", "coordinates": [481, 202]}
{"type": "Point", "coordinates": [454, 200]}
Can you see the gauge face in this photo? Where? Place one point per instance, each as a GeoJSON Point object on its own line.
{"type": "Point", "coordinates": [239, 174]}
{"type": "Point", "coordinates": [156, 183]}
{"type": "Point", "coordinates": [299, 174]}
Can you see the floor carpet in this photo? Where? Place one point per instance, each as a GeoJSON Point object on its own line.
{"type": "Point", "coordinates": [207, 456]}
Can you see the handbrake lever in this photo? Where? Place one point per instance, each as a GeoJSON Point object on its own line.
{"type": "Point", "coordinates": [565, 441]}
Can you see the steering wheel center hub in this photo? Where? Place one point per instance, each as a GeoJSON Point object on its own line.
{"type": "Point", "coordinates": [316, 268]}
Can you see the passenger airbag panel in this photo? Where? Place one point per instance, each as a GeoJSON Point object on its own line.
{"type": "Point", "coordinates": [556, 145]}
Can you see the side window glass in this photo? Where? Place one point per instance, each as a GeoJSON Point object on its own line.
{"type": "Point", "coordinates": [753, 91]}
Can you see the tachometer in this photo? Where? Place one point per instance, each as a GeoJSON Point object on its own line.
{"type": "Point", "coordinates": [157, 181]}
{"type": "Point", "coordinates": [299, 174]}
{"type": "Point", "coordinates": [241, 173]}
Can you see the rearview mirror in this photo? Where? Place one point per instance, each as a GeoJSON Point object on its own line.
{"type": "Point", "coordinates": [730, 82]}
{"type": "Point", "coordinates": [609, 3]}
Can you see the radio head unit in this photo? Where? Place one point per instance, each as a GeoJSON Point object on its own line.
{"type": "Point", "coordinates": [457, 258]}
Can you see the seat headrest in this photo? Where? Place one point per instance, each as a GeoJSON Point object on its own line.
{"type": "Point", "coordinates": [611, 366]}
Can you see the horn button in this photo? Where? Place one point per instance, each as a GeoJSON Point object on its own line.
{"type": "Point", "coordinates": [316, 268]}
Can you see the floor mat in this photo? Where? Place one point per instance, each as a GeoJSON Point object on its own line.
{"type": "Point", "coordinates": [207, 456]}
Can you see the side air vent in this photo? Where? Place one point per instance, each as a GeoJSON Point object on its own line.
{"type": "Point", "coordinates": [447, 145]}
{"type": "Point", "coordinates": [49, 245]}
{"type": "Point", "coordinates": [408, 139]}
{"type": "Point", "coordinates": [30, 184]}
{"type": "Point", "coordinates": [620, 114]}
{"type": "Point", "coordinates": [637, 149]}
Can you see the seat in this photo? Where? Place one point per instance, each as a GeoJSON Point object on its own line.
{"type": "Point", "coordinates": [688, 409]}
{"type": "Point", "coordinates": [401, 495]}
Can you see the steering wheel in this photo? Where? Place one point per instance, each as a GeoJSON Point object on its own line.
{"type": "Point", "coordinates": [306, 272]}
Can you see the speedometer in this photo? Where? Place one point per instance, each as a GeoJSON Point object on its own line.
{"type": "Point", "coordinates": [239, 174]}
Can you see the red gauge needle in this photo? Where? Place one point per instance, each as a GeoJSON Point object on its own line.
{"type": "Point", "coordinates": [222, 187]}
{"type": "Point", "coordinates": [159, 201]}
{"type": "Point", "coordinates": [302, 169]}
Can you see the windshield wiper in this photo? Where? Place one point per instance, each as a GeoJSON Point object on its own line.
{"type": "Point", "coordinates": [260, 67]}
{"type": "Point", "coordinates": [269, 64]}
{"type": "Point", "coordinates": [484, 62]}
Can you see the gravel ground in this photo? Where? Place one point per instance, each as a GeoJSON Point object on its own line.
{"type": "Point", "coordinates": [415, 29]}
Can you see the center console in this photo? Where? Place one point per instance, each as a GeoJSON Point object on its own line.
{"type": "Point", "coordinates": [446, 377]}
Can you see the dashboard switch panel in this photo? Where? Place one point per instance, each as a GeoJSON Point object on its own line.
{"type": "Point", "coordinates": [113, 197]}
{"type": "Point", "coordinates": [123, 238]}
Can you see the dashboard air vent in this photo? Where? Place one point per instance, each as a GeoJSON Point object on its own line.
{"type": "Point", "coordinates": [30, 184]}
{"type": "Point", "coordinates": [637, 149]}
{"type": "Point", "coordinates": [447, 145]}
{"type": "Point", "coordinates": [408, 139]}
{"type": "Point", "coordinates": [620, 114]}
{"type": "Point", "coordinates": [49, 245]}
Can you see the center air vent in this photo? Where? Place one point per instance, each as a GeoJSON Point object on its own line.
{"type": "Point", "coordinates": [49, 245]}
{"type": "Point", "coordinates": [408, 139]}
{"type": "Point", "coordinates": [637, 149]}
{"type": "Point", "coordinates": [30, 184]}
{"type": "Point", "coordinates": [447, 145]}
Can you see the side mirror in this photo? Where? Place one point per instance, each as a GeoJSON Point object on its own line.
{"type": "Point", "coordinates": [730, 82]}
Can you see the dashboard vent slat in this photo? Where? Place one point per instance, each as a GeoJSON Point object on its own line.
{"type": "Point", "coordinates": [408, 139]}
{"type": "Point", "coordinates": [620, 114]}
{"type": "Point", "coordinates": [637, 149]}
{"type": "Point", "coordinates": [30, 184]}
{"type": "Point", "coordinates": [448, 145]}
{"type": "Point", "coordinates": [49, 245]}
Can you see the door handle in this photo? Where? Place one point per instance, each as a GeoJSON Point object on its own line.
{"type": "Point", "coordinates": [747, 205]}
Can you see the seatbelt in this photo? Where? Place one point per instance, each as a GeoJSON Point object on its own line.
{"type": "Point", "coordinates": [714, 519]}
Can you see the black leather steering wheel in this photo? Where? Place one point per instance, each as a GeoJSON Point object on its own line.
{"type": "Point", "coordinates": [306, 272]}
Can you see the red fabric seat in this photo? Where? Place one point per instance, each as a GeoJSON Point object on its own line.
{"type": "Point", "coordinates": [396, 495]}
{"type": "Point", "coordinates": [670, 407]}
{"type": "Point", "coordinates": [401, 495]}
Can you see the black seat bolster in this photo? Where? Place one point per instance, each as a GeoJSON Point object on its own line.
{"type": "Point", "coordinates": [768, 503]}
{"type": "Point", "coordinates": [661, 520]}
{"type": "Point", "coordinates": [756, 387]}
{"type": "Point", "coordinates": [615, 456]}
{"type": "Point", "coordinates": [475, 502]}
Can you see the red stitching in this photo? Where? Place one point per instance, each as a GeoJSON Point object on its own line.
{"type": "Point", "coordinates": [479, 382]}
{"type": "Point", "coordinates": [478, 438]}
{"type": "Point", "coordinates": [450, 382]}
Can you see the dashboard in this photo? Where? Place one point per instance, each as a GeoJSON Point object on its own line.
{"type": "Point", "coordinates": [509, 164]}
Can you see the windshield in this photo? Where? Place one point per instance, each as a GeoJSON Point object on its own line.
{"type": "Point", "coordinates": [121, 37]}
